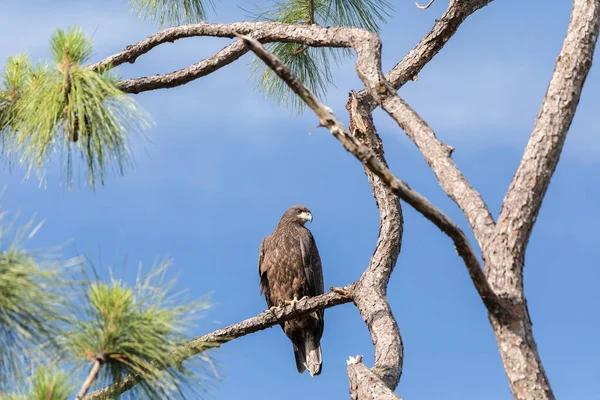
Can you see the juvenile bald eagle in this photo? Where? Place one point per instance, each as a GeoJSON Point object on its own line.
{"type": "Point", "coordinates": [290, 270]}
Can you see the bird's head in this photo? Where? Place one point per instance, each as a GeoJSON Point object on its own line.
{"type": "Point", "coordinates": [298, 214]}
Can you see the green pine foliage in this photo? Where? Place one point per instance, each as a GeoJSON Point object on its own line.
{"type": "Point", "coordinates": [67, 108]}
{"type": "Point", "coordinates": [312, 65]}
{"type": "Point", "coordinates": [47, 383]}
{"type": "Point", "coordinates": [51, 384]}
{"type": "Point", "coordinates": [135, 329]}
{"type": "Point", "coordinates": [32, 304]}
{"type": "Point", "coordinates": [171, 12]}
{"type": "Point", "coordinates": [367, 14]}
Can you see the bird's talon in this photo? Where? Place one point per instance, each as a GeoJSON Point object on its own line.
{"type": "Point", "coordinates": [292, 302]}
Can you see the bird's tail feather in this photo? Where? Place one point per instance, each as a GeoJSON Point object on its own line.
{"type": "Point", "coordinates": [300, 357]}
{"type": "Point", "coordinates": [307, 350]}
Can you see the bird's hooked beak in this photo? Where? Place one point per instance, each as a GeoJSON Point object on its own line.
{"type": "Point", "coordinates": [306, 216]}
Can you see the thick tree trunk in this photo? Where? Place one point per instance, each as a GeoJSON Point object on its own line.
{"type": "Point", "coordinates": [520, 357]}
{"type": "Point", "coordinates": [505, 253]}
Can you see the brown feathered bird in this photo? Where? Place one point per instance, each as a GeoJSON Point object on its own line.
{"type": "Point", "coordinates": [290, 271]}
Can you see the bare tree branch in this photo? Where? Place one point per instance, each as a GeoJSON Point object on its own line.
{"type": "Point", "coordinates": [311, 35]}
{"type": "Point", "coordinates": [260, 322]}
{"type": "Point", "coordinates": [364, 385]}
{"type": "Point", "coordinates": [177, 78]}
{"type": "Point", "coordinates": [436, 153]}
{"type": "Point", "coordinates": [408, 68]}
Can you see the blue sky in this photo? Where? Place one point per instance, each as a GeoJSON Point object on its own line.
{"type": "Point", "coordinates": [223, 163]}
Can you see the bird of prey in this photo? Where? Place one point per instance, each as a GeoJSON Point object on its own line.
{"type": "Point", "coordinates": [290, 271]}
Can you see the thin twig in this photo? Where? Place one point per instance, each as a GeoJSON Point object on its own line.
{"type": "Point", "coordinates": [425, 7]}
{"type": "Point", "coordinates": [87, 384]}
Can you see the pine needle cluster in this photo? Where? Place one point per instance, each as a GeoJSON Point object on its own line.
{"type": "Point", "coordinates": [67, 108]}
{"type": "Point", "coordinates": [312, 64]}
{"type": "Point", "coordinates": [135, 329]}
{"type": "Point", "coordinates": [32, 304]}
{"type": "Point", "coordinates": [172, 12]}
{"type": "Point", "coordinates": [56, 322]}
